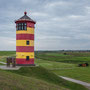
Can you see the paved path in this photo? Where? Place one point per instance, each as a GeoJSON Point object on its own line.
{"type": "Point", "coordinates": [77, 81]}
{"type": "Point", "coordinates": [3, 62]}
{"type": "Point", "coordinates": [9, 68]}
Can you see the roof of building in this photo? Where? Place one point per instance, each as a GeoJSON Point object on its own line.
{"type": "Point", "coordinates": [26, 18]}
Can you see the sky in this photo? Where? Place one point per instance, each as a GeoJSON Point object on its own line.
{"type": "Point", "coordinates": [60, 24]}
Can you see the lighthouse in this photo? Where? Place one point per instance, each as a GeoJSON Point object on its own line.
{"type": "Point", "coordinates": [25, 41]}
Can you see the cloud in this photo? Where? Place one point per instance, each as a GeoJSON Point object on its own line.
{"type": "Point", "coordinates": [60, 23]}
{"type": "Point", "coordinates": [56, 4]}
{"type": "Point", "coordinates": [7, 43]}
{"type": "Point", "coordinates": [39, 14]}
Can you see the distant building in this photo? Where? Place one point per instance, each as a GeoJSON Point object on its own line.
{"type": "Point", "coordinates": [25, 41]}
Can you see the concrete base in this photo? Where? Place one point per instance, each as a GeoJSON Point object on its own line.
{"type": "Point", "coordinates": [9, 68]}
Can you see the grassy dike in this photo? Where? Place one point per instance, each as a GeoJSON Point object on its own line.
{"type": "Point", "coordinates": [12, 81]}
{"type": "Point", "coordinates": [42, 77]}
{"type": "Point", "coordinates": [45, 75]}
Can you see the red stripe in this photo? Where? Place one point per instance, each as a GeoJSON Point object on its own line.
{"type": "Point", "coordinates": [25, 21]}
{"type": "Point", "coordinates": [24, 61]}
{"type": "Point", "coordinates": [24, 48]}
{"type": "Point", "coordinates": [25, 36]}
{"type": "Point", "coordinates": [30, 24]}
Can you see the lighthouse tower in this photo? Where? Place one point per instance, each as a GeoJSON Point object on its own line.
{"type": "Point", "coordinates": [25, 41]}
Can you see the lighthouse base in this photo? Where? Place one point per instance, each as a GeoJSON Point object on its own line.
{"type": "Point", "coordinates": [25, 65]}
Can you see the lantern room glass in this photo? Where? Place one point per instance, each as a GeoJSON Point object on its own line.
{"type": "Point", "coordinates": [21, 26]}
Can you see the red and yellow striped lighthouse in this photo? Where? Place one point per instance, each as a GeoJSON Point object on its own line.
{"type": "Point", "coordinates": [25, 41]}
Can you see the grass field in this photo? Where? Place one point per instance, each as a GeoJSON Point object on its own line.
{"type": "Point", "coordinates": [69, 57]}
{"type": "Point", "coordinates": [66, 65]}
{"type": "Point", "coordinates": [51, 66]}
{"type": "Point", "coordinates": [66, 69]}
{"type": "Point", "coordinates": [5, 54]}
{"type": "Point", "coordinates": [12, 81]}
{"type": "Point", "coordinates": [46, 75]}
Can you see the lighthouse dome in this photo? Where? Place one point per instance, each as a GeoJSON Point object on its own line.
{"type": "Point", "coordinates": [25, 18]}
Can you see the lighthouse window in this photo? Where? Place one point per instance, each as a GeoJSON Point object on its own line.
{"type": "Point", "coordinates": [27, 43]}
{"type": "Point", "coordinates": [21, 26]}
{"type": "Point", "coordinates": [27, 57]}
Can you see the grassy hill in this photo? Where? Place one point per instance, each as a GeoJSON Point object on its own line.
{"type": "Point", "coordinates": [12, 81]}
{"type": "Point", "coordinates": [41, 73]}
{"type": "Point", "coordinates": [42, 77]}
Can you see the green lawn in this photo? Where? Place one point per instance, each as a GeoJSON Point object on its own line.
{"type": "Point", "coordinates": [5, 54]}
{"type": "Point", "coordinates": [52, 65]}
{"type": "Point", "coordinates": [61, 64]}
{"type": "Point", "coordinates": [68, 70]}
{"type": "Point", "coordinates": [48, 76]}
{"type": "Point", "coordinates": [74, 57]}
{"type": "Point", "coordinates": [82, 74]}
{"type": "Point", "coordinates": [12, 81]}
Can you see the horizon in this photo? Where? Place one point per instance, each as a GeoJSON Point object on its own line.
{"type": "Point", "coordinates": [51, 50]}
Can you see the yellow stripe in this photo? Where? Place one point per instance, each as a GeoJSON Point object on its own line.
{"type": "Point", "coordinates": [23, 43]}
{"type": "Point", "coordinates": [28, 31]}
{"type": "Point", "coordinates": [24, 54]}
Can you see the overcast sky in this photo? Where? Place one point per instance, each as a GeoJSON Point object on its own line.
{"type": "Point", "coordinates": [61, 24]}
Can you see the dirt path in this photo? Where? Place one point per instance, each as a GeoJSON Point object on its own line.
{"type": "Point", "coordinates": [77, 81]}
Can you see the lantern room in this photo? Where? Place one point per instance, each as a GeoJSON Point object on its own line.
{"type": "Point", "coordinates": [25, 41]}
